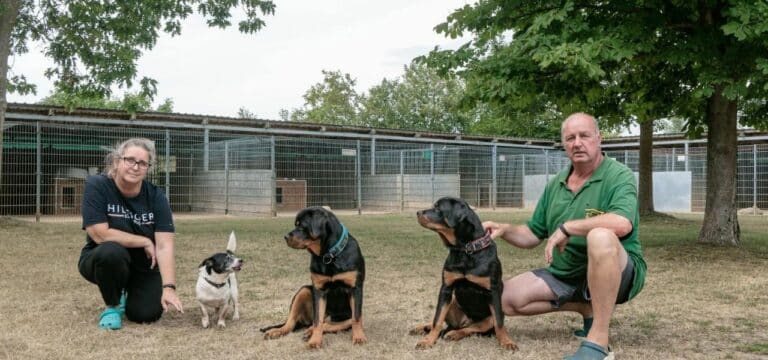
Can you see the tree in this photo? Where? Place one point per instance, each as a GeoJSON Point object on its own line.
{"type": "Point", "coordinates": [131, 102]}
{"type": "Point", "coordinates": [244, 113]}
{"type": "Point", "coordinates": [589, 56]}
{"type": "Point", "coordinates": [95, 44]}
{"type": "Point", "coordinates": [332, 101]}
{"type": "Point", "coordinates": [420, 100]}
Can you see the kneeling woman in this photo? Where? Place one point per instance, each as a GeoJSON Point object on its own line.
{"type": "Point", "coordinates": [129, 251]}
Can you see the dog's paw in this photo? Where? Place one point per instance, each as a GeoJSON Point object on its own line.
{"type": "Point", "coordinates": [424, 344]}
{"type": "Point", "coordinates": [315, 343]}
{"type": "Point", "coordinates": [307, 333]}
{"type": "Point", "coordinates": [236, 316]}
{"type": "Point", "coordinates": [509, 345]}
{"type": "Point", "coordinates": [454, 335]}
{"type": "Point", "coordinates": [221, 325]}
{"type": "Point", "coordinates": [206, 323]}
{"type": "Point", "coordinates": [274, 333]}
{"type": "Point", "coordinates": [359, 339]}
{"type": "Point", "coordinates": [421, 330]}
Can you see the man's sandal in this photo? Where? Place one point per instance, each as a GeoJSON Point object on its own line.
{"type": "Point", "coordinates": [111, 319]}
{"type": "Point", "coordinates": [590, 351]}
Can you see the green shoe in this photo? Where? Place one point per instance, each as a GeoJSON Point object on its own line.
{"type": "Point", "coordinates": [110, 319]}
{"type": "Point", "coordinates": [589, 351]}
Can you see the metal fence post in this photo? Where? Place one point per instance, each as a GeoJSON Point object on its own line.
{"type": "Point", "coordinates": [674, 159]}
{"type": "Point", "coordinates": [206, 145]}
{"type": "Point", "coordinates": [494, 184]}
{"type": "Point", "coordinates": [546, 167]}
{"type": "Point", "coordinates": [373, 156]}
{"type": "Point", "coordinates": [226, 177]}
{"type": "Point", "coordinates": [167, 164]}
{"type": "Point", "coordinates": [273, 200]}
{"type": "Point", "coordinates": [754, 179]}
{"type": "Point", "coordinates": [522, 179]}
{"type": "Point", "coordinates": [626, 159]}
{"type": "Point", "coordinates": [38, 170]}
{"type": "Point", "coordinates": [432, 169]}
{"type": "Point", "coordinates": [402, 181]}
{"type": "Point", "coordinates": [359, 180]}
{"type": "Point", "coordinates": [686, 156]}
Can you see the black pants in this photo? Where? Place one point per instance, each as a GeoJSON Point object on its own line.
{"type": "Point", "coordinates": [114, 268]}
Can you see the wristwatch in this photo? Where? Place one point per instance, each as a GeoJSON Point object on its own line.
{"type": "Point", "coordinates": [170, 286]}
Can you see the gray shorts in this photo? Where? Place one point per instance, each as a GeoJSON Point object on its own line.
{"type": "Point", "coordinates": [578, 291]}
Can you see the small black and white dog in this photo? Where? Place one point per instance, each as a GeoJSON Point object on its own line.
{"type": "Point", "coordinates": [217, 285]}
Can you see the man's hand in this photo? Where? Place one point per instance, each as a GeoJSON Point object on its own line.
{"type": "Point", "coordinates": [495, 228]}
{"type": "Point", "coordinates": [559, 240]}
{"type": "Point", "coordinates": [171, 299]}
{"type": "Point", "coordinates": [151, 252]}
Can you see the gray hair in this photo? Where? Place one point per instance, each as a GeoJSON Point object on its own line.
{"type": "Point", "coordinates": [118, 151]}
{"type": "Point", "coordinates": [579, 114]}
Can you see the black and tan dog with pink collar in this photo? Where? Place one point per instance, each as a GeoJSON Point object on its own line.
{"type": "Point", "coordinates": [469, 301]}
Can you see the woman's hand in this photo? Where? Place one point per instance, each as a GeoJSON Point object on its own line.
{"type": "Point", "coordinates": [151, 252]}
{"type": "Point", "coordinates": [170, 298]}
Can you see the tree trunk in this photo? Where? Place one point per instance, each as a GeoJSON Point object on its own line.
{"type": "Point", "coordinates": [721, 225]}
{"type": "Point", "coordinates": [645, 183]}
{"type": "Point", "coordinates": [9, 11]}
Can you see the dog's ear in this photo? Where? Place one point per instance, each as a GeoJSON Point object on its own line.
{"type": "Point", "coordinates": [208, 263]}
{"type": "Point", "coordinates": [318, 224]}
{"type": "Point", "coordinates": [454, 212]}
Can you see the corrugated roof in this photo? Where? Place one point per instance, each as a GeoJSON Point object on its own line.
{"type": "Point", "coordinates": [48, 110]}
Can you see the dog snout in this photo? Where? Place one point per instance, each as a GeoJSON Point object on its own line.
{"type": "Point", "coordinates": [418, 213]}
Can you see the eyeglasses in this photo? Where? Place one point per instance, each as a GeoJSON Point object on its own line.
{"type": "Point", "coordinates": [131, 162]}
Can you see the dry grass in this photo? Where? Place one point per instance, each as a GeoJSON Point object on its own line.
{"type": "Point", "coordinates": [699, 301]}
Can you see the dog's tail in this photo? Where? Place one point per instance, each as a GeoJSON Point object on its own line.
{"type": "Point", "coordinates": [266, 328]}
{"type": "Point", "coordinates": [232, 244]}
{"type": "Point", "coordinates": [299, 325]}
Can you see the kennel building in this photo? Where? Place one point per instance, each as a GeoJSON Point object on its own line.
{"type": "Point", "coordinates": [221, 165]}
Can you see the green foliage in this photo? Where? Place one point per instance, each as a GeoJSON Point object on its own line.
{"type": "Point", "coordinates": [419, 100]}
{"type": "Point", "coordinates": [622, 60]}
{"type": "Point", "coordinates": [332, 101]}
{"type": "Point", "coordinates": [95, 45]}
{"type": "Point", "coordinates": [131, 102]}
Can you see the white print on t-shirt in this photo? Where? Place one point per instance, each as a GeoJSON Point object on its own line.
{"type": "Point", "coordinates": [114, 210]}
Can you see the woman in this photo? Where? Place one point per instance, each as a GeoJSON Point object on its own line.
{"type": "Point", "coordinates": [130, 234]}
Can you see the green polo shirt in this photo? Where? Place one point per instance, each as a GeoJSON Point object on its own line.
{"type": "Point", "coordinates": [611, 189]}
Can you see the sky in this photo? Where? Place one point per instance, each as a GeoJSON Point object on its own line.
{"type": "Point", "coordinates": [210, 71]}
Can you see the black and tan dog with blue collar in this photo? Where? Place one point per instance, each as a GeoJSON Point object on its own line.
{"type": "Point", "coordinates": [334, 300]}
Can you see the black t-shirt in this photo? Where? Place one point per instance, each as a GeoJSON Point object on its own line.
{"type": "Point", "coordinates": [144, 214]}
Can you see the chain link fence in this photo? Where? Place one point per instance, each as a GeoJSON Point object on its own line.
{"type": "Point", "coordinates": [684, 163]}
{"type": "Point", "coordinates": [239, 170]}
{"type": "Point", "coordinates": [219, 170]}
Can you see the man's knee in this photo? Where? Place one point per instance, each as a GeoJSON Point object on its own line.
{"type": "Point", "coordinates": [602, 243]}
{"type": "Point", "coordinates": [520, 291]}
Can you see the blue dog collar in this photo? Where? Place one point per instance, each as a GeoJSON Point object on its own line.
{"type": "Point", "coordinates": [338, 247]}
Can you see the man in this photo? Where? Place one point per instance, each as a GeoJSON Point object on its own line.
{"type": "Point", "coordinates": [589, 216]}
